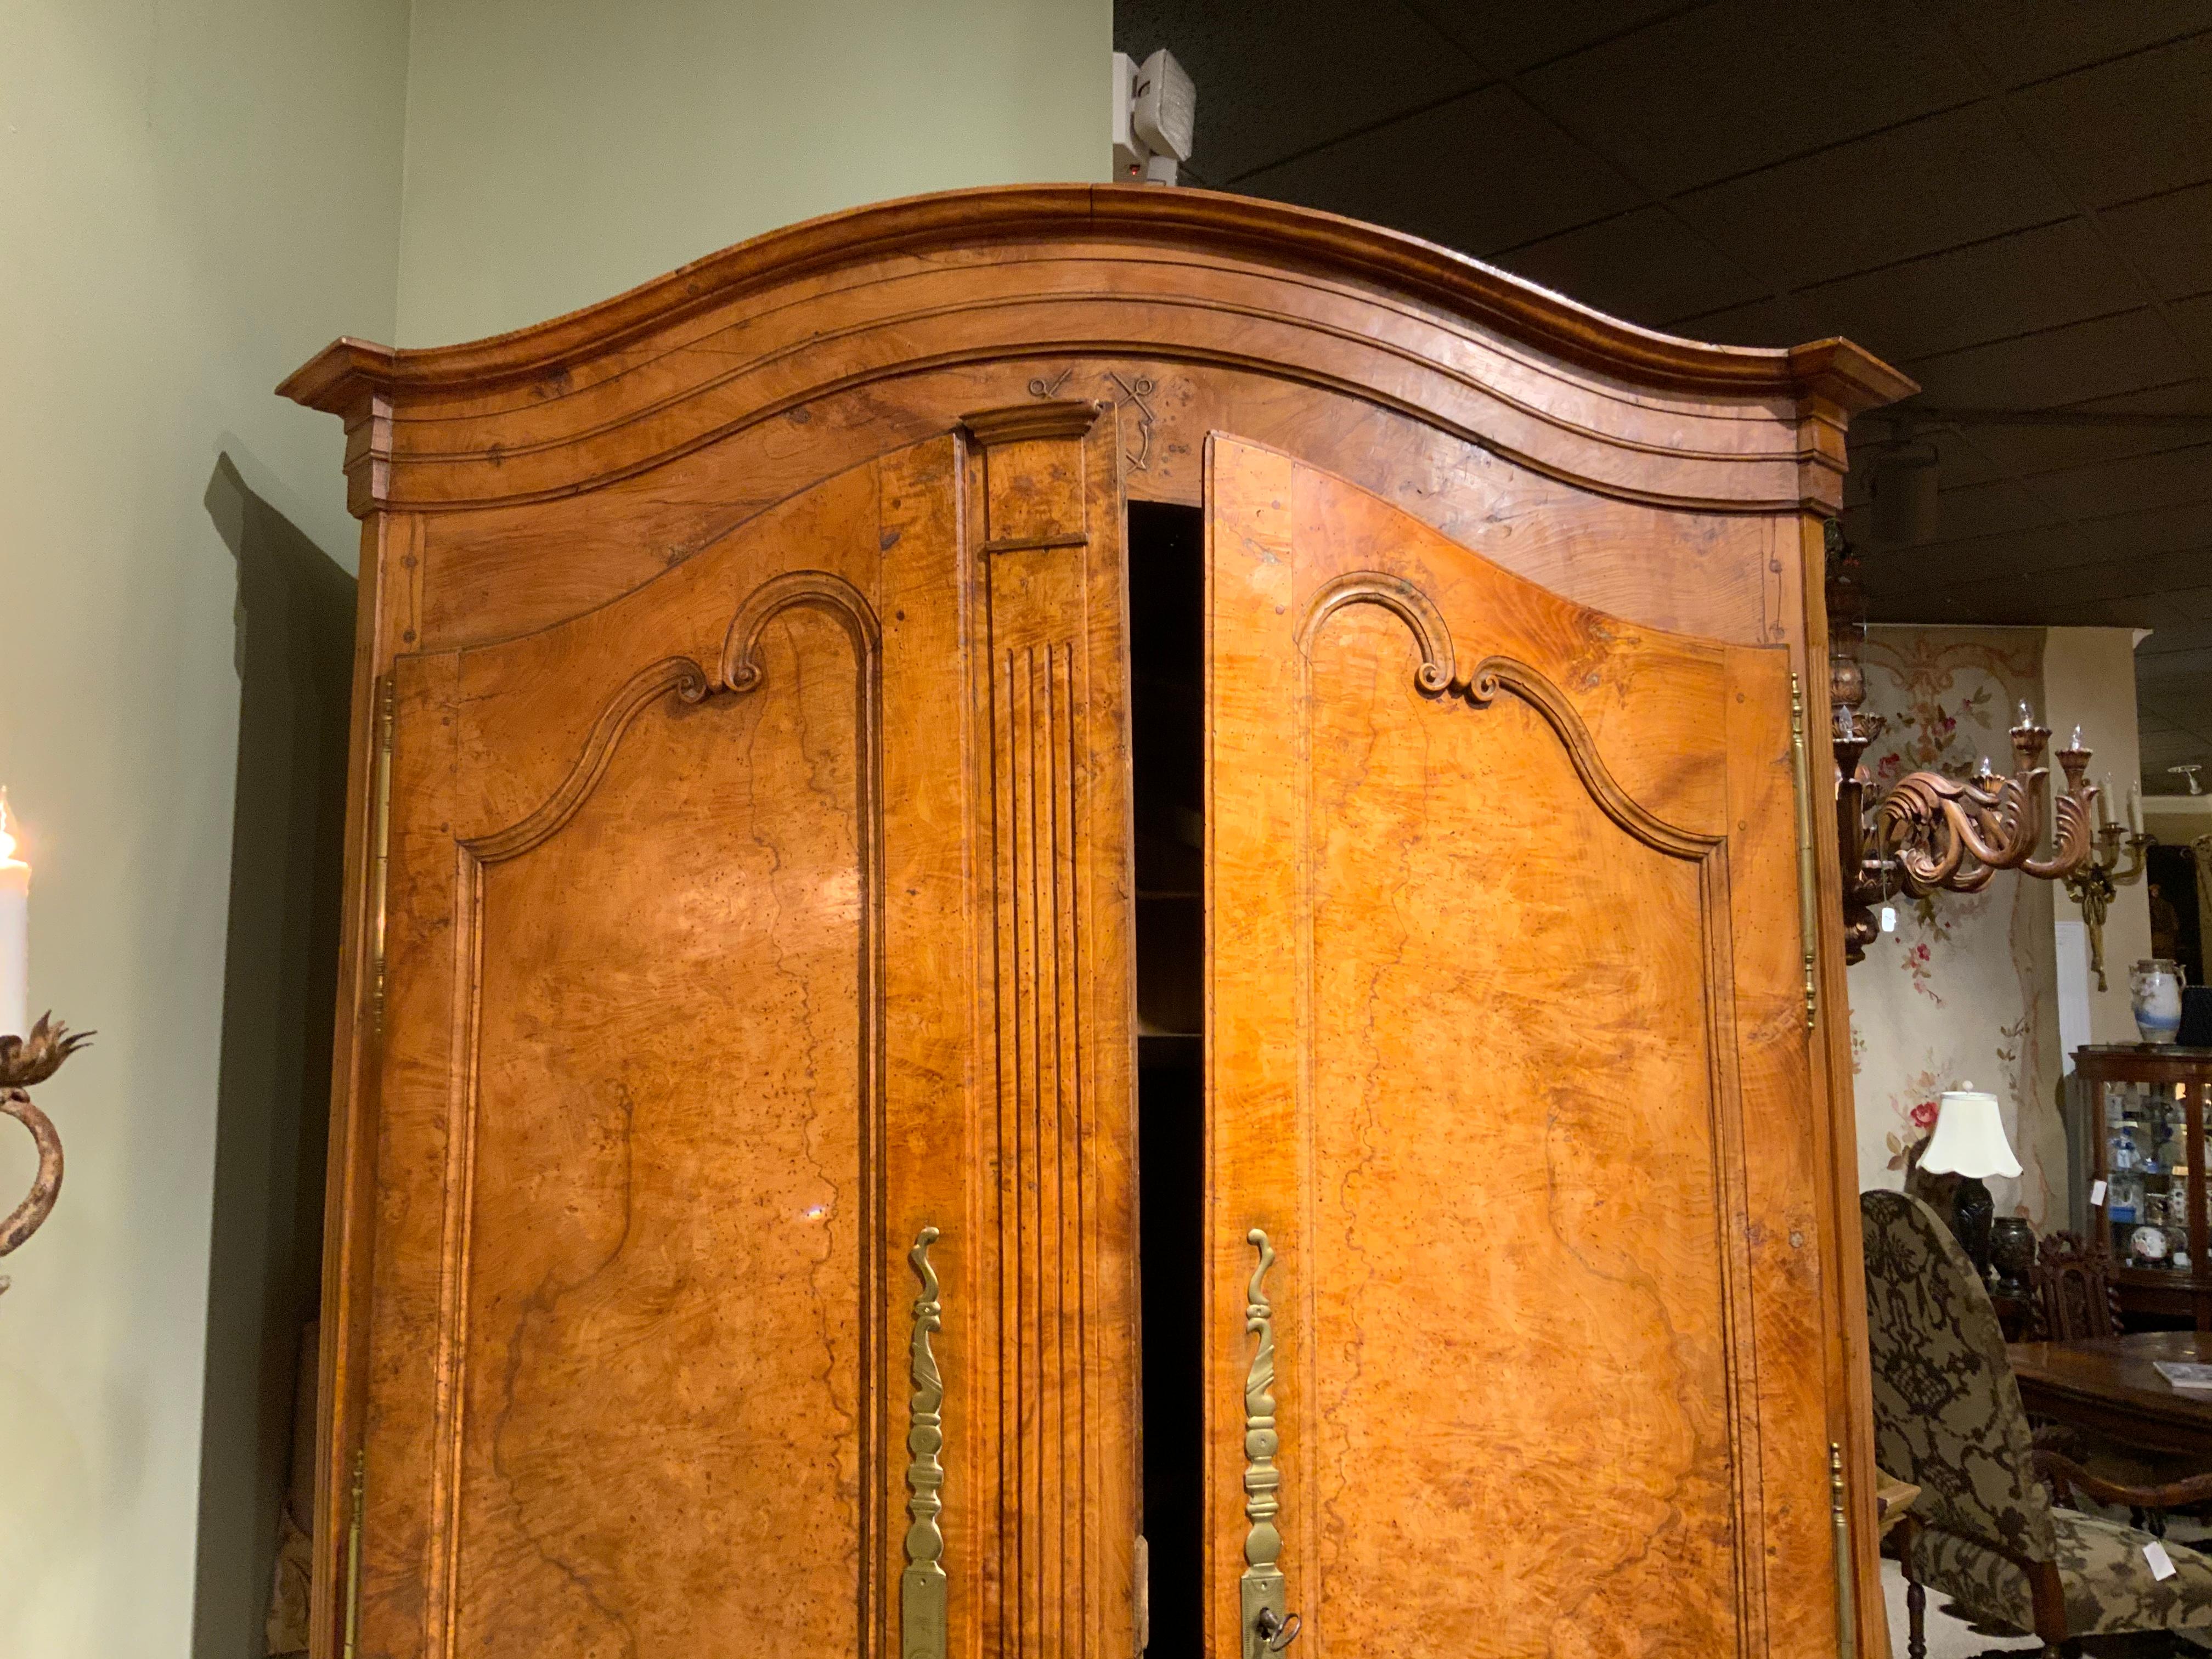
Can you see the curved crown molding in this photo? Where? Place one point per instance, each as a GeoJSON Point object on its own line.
{"type": "Point", "coordinates": [336, 378]}
{"type": "Point", "coordinates": [1210, 285]}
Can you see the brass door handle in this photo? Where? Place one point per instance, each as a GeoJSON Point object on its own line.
{"type": "Point", "coordinates": [1268, 1628]}
{"type": "Point", "coordinates": [923, 1586]}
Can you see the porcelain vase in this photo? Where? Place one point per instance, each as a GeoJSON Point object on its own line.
{"type": "Point", "coordinates": [2154, 997]}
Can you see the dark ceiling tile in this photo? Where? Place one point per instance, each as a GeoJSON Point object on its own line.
{"type": "Point", "coordinates": [2143, 531]}
{"type": "Point", "coordinates": [1511, 38]}
{"type": "Point", "coordinates": [1956, 177]}
{"type": "Point", "coordinates": [2035, 278]}
{"type": "Point", "coordinates": [2172, 747]}
{"type": "Point", "coordinates": [2168, 238]}
{"type": "Point", "coordinates": [1993, 603]}
{"type": "Point", "coordinates": [2128, 127]}
{"type": "Point", "coordinates": [2177, 478]}
{"type": "Point", "coordinates": [2177, 532]}
{"type": "Point", "coordinates": [2194, 318]}
{"type": "Point", "coordinates": [2020, 41]}
{"type": "Point", "coordinates": [2025, 451]}
{"type": "Point", "coordinates": [1279, 78]}
{"type": "Point", "coordinates": [2191, 397]}
{"type": "Point", "coordinates": [1782, 319]}
{"type": "Point", "coordinates": [2055, 366]}
{"type": "Point", "coordinates": [1646, 266]}
{"type": "Point", "coordinates": [1481, 173]}
{"type": "Point", "coordinates": [1958, 462]}
{"type": "Point", "coordinates": [1722, 89]}
{"type": "Point", "coordinates": [2175, 682]}
{"type": "Point", "coordinates": [2144, 588]}
{"type": "Point", "coordinates": [2106, 613]}
{"type": "Point", "coordinates": [2166, 572]}
{"type": "Point", "coordinates": [2170, 642]}
{"type": "Point", "coordinates": [2191, 603]}
{"type": "Point", "coordinates": [1987, 509]}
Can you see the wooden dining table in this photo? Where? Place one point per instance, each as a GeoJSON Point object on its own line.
{"type": "Point", "coordinates": [2111, 1387]}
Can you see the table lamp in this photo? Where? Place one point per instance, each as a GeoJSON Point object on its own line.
{"type": "Point", "coordinates": [1970, 1143]}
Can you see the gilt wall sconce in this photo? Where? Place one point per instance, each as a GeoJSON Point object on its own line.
{"type": "Point", "coordinates": [29, 1055]}
{"type": "Point", "coordinates": [2097, 883]}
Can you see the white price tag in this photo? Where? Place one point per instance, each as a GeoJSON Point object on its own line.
{"type": "Point", "coordinates": [2096, 1194]}
{"type": "Point", "coordinates": [1889, 918]}
{"type": "Point", "coordinates": [2162, 1563]}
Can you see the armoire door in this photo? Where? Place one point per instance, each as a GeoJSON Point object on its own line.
{"type": "Point", "coordinates": [754, 1009]}
{"type": "Point", "coordinates": [1507, 1076]}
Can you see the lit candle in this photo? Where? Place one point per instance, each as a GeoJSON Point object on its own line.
{"type": "Point", "coordinates": [15, 931]}
{"type": "Point", "coordinates": [2135, 807]}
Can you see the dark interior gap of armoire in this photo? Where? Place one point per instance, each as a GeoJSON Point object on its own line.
{"type": "Point", "coordinates": [1167, 647]}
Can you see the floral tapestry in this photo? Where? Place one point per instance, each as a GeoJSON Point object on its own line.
{"type": "Point", "coordinates": [1965, 990]}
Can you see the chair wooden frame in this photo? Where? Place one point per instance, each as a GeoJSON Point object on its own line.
{"type": "Point", "coordinates": [2077, 1292]}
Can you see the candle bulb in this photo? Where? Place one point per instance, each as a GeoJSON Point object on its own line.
{"type": "Point", "coordinates": [15, 931]}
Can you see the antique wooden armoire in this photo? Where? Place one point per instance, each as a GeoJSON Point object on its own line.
{"type": "Point", "coordinates": [1091, 919]}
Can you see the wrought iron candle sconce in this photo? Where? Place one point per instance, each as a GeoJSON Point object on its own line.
{"type": "Point", "coordinates": [1929, 833]}
{"type": "Point", "coordinates": [25, 1061]}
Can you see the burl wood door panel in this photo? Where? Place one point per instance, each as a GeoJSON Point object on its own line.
{"type": "Point", "coordinates": [689, 1032]}
{"type": "Point", "coordinates": [1508, 1057]}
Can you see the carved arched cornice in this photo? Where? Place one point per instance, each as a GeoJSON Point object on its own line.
{"type": "Point", "coordinates": [1439, 676]}
{"type": "Point", "coordinates": [1108, 272]}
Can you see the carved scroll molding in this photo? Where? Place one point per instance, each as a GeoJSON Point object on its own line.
{"type": "Point", "coordinates": [817, 590]}
{"type": "Point", "coordinates": [678, 674]}
{"type": "Point", "coordinates": [1540, 694]}
{"type": "Point", "coordinates": [810, 590]}
{"type": "Point", "coordinates": [1403, 600]}
{"type": "Point", "coordinates": [921, 1588]}
{"type": "Point", "coordinates": [1439, 676]}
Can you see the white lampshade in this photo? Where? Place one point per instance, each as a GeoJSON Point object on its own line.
{"type": "Point", "coordinates": [1969, 1137]}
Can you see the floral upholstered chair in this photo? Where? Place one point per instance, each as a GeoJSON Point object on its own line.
{"type": "Point", "coordinates": [1947, 1418]}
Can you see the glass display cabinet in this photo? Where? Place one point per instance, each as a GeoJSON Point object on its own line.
{"type": "Point", "coordinates": [2147, 1159]}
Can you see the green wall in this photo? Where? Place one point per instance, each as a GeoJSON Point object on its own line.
{"type": "Point", "coordinates": [195, 195]}
{"type": "Point", "coordinates": [561, 152]}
